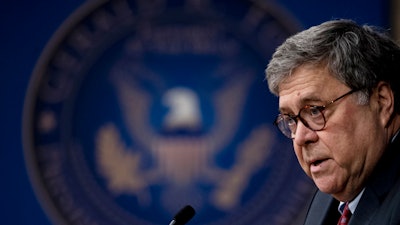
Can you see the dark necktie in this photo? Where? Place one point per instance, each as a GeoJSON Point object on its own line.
{"type": "Point", "coordinates": [346, 214]}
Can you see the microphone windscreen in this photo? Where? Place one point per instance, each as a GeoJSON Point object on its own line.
{"type": "Point", "coordinates": [184, 215]}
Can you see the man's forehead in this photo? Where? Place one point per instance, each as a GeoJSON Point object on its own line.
{"type": "Point", "coordinates": [309, 77]}
{"type": "Point", "coordinates": [308, 85]}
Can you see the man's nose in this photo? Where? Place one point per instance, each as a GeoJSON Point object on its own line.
{"type": "Point", "coordinates": [304, 134]}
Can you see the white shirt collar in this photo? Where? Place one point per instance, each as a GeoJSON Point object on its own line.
{"type": "Point", "coordinates": [395, 135]}
{"type": "Point", "coordinates": [353, 204]}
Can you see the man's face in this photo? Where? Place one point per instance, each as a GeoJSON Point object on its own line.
{"type": "Point", "coordinates": [340, 157]}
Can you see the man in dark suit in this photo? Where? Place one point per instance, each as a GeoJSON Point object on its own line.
{"type": "Point", "coordinates": [338, 85]}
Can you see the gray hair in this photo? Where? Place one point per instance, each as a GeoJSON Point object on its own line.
{"type": "Point", "coordinates": [358, 56]}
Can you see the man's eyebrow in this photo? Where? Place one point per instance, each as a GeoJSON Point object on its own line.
{"type": "Point", "coordinates": [303, 102]}
{"type": "Point", "coordinates": [311, 99]}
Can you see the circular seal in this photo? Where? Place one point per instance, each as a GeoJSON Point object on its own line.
{"type": "Point", "coordinates": [137, 108]}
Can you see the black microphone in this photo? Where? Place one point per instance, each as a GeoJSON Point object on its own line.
{"type": "Point", "coordinates": [183, 216]}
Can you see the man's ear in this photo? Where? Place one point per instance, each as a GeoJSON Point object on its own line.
{"type": "Point", "coordinates": [386, 102]}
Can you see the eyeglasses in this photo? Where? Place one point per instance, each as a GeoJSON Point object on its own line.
{"type": "Point", "coordinates": [310, 115]}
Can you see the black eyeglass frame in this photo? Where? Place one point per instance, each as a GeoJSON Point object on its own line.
{"type": "Point", "coordinates": [285, 128]}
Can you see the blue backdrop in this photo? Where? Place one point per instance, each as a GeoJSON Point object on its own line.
{"type": "Point", "coordinates": [26, 27]}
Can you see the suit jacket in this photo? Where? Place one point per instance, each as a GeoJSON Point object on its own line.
{"type": "Point", "coordinates": [380, 202]}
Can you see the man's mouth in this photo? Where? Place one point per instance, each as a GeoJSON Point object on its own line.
{"type": "Point", "coordinates": [317, 162]}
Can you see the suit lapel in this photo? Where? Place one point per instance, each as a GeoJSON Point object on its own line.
{"type": "Point", "coordinates": [366, 208]}
{"type": "Point", "coordinates": [323, 210]}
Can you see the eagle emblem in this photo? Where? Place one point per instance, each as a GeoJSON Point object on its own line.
{"type": "Point", "coordinates": [179, 154]}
